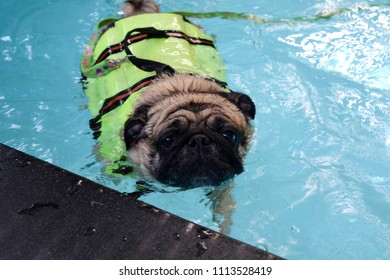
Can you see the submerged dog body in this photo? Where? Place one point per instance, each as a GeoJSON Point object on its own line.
{"type": "Point", "coordinates": [180, 123]}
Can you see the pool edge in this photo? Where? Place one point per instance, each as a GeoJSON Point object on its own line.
{"type": "Point", "coordinates": [49, 213]}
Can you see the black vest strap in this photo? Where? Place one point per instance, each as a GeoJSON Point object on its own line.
{"type": "Point", "coordinates": [149, 65]}
{"type": "Point", "coordinates": [148, 33]}
{"type": "Point", "coordinates": [143, 64]}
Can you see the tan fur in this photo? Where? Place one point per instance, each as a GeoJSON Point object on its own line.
{"type": "Point", "coordinates": [166, 98]}
{"type": "Point", "coordinates": [170, 93]}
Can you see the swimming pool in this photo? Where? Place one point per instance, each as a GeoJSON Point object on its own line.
{"type": "Point", "coordinates": [316, 184]}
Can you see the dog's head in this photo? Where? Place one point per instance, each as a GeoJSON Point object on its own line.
{"type": "Point", "coordinates": [185, 131]}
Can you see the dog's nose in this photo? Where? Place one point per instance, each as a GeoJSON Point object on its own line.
{"type": "Point", "coordinates": [198, 140]}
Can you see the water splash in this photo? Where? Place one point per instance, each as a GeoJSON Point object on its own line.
{"type": "Point", "coordinates": [202, 248]}
{"type": "Point", "coordinates": [355, 46]}
{"type": "Point", "coordinates": [74, 188]}
{"type": "Point", "coordinates": [89, 231]}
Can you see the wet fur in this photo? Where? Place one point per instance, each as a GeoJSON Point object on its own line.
{"type": "Point", "coordinates": [168, 99]}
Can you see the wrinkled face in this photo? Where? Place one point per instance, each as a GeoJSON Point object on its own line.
{"type": "Point", "coordinates": [190, 139]}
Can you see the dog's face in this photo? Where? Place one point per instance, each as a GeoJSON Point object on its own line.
{"type": "Point", "coordinates": [185, 131]}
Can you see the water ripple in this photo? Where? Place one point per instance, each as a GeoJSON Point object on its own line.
{"type": "Point", "coordinates": [355, 46]}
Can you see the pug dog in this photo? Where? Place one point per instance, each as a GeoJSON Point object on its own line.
{"type": "Point", "coordinates": [185, 128]}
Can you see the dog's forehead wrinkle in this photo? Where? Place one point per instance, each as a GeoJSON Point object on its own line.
{"type": "Point", "coordinates": [204, 116]}
{"type": "Point", "coordinates": [197, 117]}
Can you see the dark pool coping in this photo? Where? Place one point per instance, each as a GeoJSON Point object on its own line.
{"type": "Point", "coordinates": [49, 213]}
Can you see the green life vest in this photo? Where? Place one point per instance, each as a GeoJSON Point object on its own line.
{"type": "Point", "coordinates": [120, 64]}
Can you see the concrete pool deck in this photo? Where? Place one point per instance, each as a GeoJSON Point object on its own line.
{"type": "Point", "coordinates": [49, 213]}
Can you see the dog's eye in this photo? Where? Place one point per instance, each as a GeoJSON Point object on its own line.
{"type": "Point", "coordinates": [167, 141]}
{"type": "Point", "coordinates": [229, 135]}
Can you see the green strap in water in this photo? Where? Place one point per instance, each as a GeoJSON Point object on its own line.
{"type": "Point", "coordinates": [256, 19]}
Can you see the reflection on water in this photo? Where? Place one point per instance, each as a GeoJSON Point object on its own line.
{"type": "Point", "coordinates": [356, 46]}
{"type": "Point", "coordinates": [322, 139]}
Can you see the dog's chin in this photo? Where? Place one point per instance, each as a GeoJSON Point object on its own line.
{"type": "Point", "coordinates": [209, 167]}
{"type": "Point", "coordinates": [195, 174]}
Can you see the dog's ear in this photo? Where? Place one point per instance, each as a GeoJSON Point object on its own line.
{"type": "Point", "coordinates": [243, 102]}
{"type": "Point", "coordinates": [135, 125]}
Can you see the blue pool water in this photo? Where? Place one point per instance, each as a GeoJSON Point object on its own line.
{"type": "Point", "coordinates": [317, 182]}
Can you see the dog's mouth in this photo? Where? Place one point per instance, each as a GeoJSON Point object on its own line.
{"type": "Point", "coordinates": [190, 176]}
{"type": "Point", "coordinates": [189, 167]}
